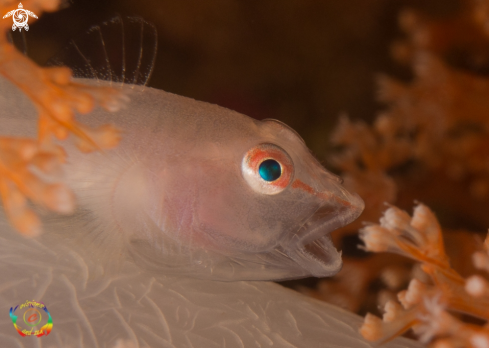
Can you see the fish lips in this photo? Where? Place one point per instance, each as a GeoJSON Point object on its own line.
{"type": "Point", "coordinates": [311, 246]}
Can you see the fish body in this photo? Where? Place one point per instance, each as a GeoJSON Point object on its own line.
{"type": "Point", "coordinates": [167, 225]}
{"type": "Point", "coordinates": [182, 193]}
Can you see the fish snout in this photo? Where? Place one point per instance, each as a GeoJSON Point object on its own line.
{"type": "Point", "coordinates": [311, 246]}
{"type": "Point", "coordinates": [338, 207]}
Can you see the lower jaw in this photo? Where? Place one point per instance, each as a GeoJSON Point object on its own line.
{"type": "Point", "coordinates": [318, 258]}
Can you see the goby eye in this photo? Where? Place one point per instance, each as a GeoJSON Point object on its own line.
{"type": "Point", "coordinates": [267, 168]}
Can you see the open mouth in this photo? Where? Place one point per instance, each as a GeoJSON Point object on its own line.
{"type": "Point", "coordinates": [311, 247]}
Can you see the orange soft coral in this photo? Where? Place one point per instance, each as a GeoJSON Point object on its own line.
{"type": "Point", "coordinates": [426, 307]}
{"type": "Point", "coordinates": [57, 97]}
{"type": "Point", "coordinates": [430, 142]}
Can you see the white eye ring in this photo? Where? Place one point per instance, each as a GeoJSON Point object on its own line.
{"type": "Point", "coordinates": [250, 167]}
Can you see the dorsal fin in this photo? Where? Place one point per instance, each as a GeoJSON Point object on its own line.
{"type": "Point", "coordinates": [121, 50]}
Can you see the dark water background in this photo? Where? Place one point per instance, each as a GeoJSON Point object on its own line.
{"type": "Point", "coordinates": [301, 61]}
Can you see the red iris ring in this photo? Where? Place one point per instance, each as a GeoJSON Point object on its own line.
{"type": "Point", "coordinates": [263, 152]}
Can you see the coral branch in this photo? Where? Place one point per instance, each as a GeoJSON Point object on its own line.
{"type": "Point", "coordinates": [57, 98]}
{"type": "Point", "coordinates": [430, 142]}
{"type": "Point", "coordinates": [425, 307]}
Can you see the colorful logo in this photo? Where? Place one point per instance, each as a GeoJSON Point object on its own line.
{"type": "Point", "coordinates": [31, 313]}
{"type": "Point", "coordinates": [20, 17]}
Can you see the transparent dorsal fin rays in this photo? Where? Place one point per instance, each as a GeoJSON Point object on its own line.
{"type": "Point", "coordinates": [121, 50]}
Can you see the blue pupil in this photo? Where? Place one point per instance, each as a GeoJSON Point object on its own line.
{"type": "Point", "coordinates": [270, 170]}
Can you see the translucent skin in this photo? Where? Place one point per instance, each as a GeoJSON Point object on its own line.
{"type": "Point", "coordinates": [173, 195]}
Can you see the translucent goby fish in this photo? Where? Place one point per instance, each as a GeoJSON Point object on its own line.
{"type": "Point", "coordinates": [195, 189]}
{"type": "Point", "coordinates": [194, 195]}
{"type": "Point", "coordinates": [199, 190]}
{"type": "Point", "coordinates": [161, 223]}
